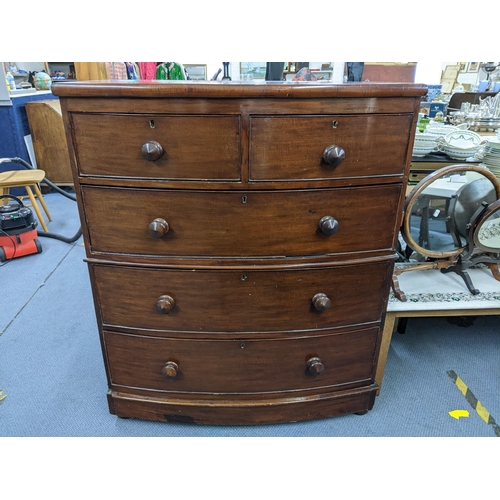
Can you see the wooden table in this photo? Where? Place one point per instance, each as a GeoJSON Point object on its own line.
{"type": "Point", "coordinates": [432, 293]}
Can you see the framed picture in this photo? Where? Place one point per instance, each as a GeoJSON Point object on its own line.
{"type": "Point", "coordinates": [256, 69]}
{"type": "Point", "coordinates": [196, 71]}
{"type": "Point", "coordinates": [473, 67]}
{"type": "Point", "coordinates": [463, 67]}
{"type": "Point", "coordinates": [451, 71]}
{"type": "Point", "coordinates": [447, 85]}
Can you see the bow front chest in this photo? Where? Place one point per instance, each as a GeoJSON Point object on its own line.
{"type": "Point", "coordinates": [240, 240]}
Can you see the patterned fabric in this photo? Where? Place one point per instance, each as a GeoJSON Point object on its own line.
{"type": "Point", "coordinates": [176, 71]}
{"type": "Point", "coordinates": [132, 71]}
{"type": "Point", "coordinates": [449, 297]}
{"type": "Point", "coordinates": [120, 71]}
{"type": "Point", "coordinates": [170, 71]}
{"type": "Point", "coordinates": [116, 71]}
{"type": "Point", "coordinates": [145, 71]}
{"type": "Point", "coordinates": [426, 290]}
{"type": "Point", "coordinates": [162, 72]}
{"type": "Point", "coordinates": [109, 70]}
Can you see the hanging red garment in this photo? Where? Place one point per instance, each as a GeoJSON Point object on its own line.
{"type": "Point", "coordinates": [148, 70]}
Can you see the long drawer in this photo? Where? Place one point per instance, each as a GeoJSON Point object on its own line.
{"type": "Point", "coordinates": [248, 224]}
{"type": "Point", "coordinates": [292, 147]}
{"type": "Point", "coordinates": [241, 366]}
{"type": "Point", "coordinates": [202, 301]}
{"type": "Point", "coordinates": [192, 147]}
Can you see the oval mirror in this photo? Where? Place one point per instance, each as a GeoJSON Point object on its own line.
{"type": "Point", "coordinates": [438, 211]}
{"type": "Point", "coordinates": [487, 229]}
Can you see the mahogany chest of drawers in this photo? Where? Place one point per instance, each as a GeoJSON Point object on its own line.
{"type": "Point", "coordinates": [240, 240]}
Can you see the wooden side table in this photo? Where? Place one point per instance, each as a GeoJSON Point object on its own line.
{"type": "Point", "coordinates": [431, 293]}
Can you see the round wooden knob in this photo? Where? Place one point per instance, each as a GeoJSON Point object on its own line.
{"type": "Point", "coordinates": [334, 155]}
{"type": "Point", "coordinates": [315, 366]}
{"type": "Point", "coordinates": [158, 228]}
{"type": "Point", "coordinates": [328, 225]}
{"type": "Point", "coordinates": [170, 369]}
{"type": "Point", "coordinates": [165, 304]}
{"type": "Point", "coordinates": [152, 150]}
{"type": "Point", "coordinates": [321, 302]}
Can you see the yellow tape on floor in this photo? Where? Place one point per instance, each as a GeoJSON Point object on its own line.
{"type": "Point", "coordinates": [483, 413]}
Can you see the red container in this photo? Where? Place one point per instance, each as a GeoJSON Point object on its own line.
{"type": "Point", "coordinates": [18, 245]}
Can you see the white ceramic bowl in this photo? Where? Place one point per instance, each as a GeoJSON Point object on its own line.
{"type": "Point", "coordinates": [423, 139]}
{"type": "Point", "coordinates": [462, 139]}
{"type": "Point", "coordinates": [459, 153]}
{"type": "Point", "coordinates": [428, 142]}
{"type": "Point", "coordinates": [440, 130]}
{"type": "Point", "coordinates": [422, 151]}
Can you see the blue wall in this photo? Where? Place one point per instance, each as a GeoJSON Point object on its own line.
{"type": "Point", "coordinates": [13, 127]}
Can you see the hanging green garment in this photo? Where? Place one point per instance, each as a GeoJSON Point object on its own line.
{"type": "Point", "coordinates": [170, 71]}
{"type": "Point", "coordinates": [162, 72]}
{"type": "Point", "coordinates": [176, 71]}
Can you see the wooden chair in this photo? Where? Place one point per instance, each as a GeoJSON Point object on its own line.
{"type": "Point", "coordinates": [27, 179]}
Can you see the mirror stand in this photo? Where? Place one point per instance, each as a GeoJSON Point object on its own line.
{"type": "Point", "coordinates": [483, 238]}
{"type": "Point", "coordinates": [452, 218]}
{"type": "Point", "coordinates": [417, 267]}
{"type": "Point", "coordinates": [453, 265]}
{"type": "Point", "coordinates": [459, 268]}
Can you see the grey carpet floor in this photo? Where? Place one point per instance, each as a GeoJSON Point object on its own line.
{"type": "Point", "coordinates": [52, 373]}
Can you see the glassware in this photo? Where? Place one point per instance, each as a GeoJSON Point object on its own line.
{"type": "Point", "coordinates": [422, 123]}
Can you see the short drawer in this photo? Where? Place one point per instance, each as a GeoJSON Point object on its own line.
{"type": "Point", "coordinates": [240, 301]}
{"type": "Point", "coordinates": [292, 147]}
{"type": "Point", "coordinates": [230, 224]}
{"type": "Point", "coordinates": [126, 146]}
{"type": "Point", "coordinates": [241, 366]}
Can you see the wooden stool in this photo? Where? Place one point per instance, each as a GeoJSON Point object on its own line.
{"type": "Point", "coordinates": [27, 179]}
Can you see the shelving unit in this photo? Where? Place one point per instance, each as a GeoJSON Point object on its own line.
{"type": "Point", "coordinates": [67, 68]}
